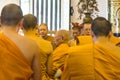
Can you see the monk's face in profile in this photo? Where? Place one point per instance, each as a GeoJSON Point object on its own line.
{"type": "Point", "coordinates": [58, 39]}
{"type": "Point", "coordinates": [43, 30]}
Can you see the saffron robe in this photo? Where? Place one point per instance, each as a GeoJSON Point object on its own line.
{"type": "Point", "coordinates": [84, 40]}
{"type": "Point", "coordinates": [57, 59]}
{"type": "Point", "coordinates": [93, 62]}
{"type": "Point", "coordinates": [115, 40]}
{"type": "Point", "coordinates": [13, 64]}
{"type": "Point", "coordinates": [81, 40]}
{"type": "Point", "coordinates": [46, 48]}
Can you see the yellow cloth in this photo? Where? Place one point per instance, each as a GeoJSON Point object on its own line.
{"type": "Point", "coordinates": [115, 40]}
{"type": "Point", "coordinates": [93, 62]}
{"type": "Point", "coordinates": [84, 40]}
{"type": "Point", "coordinates": [47, 50]}
{"type": "Point", "coordinates": [13, 64]}
{"type": "Point", "coordinates": [49, 38]}
{"type": "Point", "coordinates": [57, 59]}
{"type": "Point", "coordinates": [81, 41]}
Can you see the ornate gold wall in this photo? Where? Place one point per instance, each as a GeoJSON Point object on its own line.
{"type": "Point", "coordinates": [114, 15]}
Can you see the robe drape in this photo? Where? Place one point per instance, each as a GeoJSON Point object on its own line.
{"type": "Point", "coordinates": [13, 64]}
{"type": "Point", "coordinates": [99, 61]}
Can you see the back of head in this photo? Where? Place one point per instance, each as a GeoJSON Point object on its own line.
{"type": "Point", "coordinates": [29, 22]}
{"type": "Point", "coordinates": [11, 15]}
{"type": "Point", "coordinates": [101, 27]}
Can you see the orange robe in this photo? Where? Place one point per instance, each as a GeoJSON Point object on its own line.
{"type": "Point", "coordinates": [81, 41]}
{"type": "Point", "coordinates": [13, 64]}
{"type": "Point", "coordinates": [93, 62]}
{"type": "Point", "coordinates": [47, 49]}
{"type": "Point", "coordinates": [84, 40]}
{"type": "Point", "coordinates": [115, 40]}
{"type": "Point", "coordinates": [57, 59]}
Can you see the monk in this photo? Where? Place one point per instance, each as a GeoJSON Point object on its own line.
{"type": "Point", "coordinates": [43, 31]}
{"type": "Point", "coordinates": [29, 26]}
{"type": "Point", "coordinates": [18, 54]}
{"type": "Point", "coordinates": [75, 32]}
{"type": "Point", "coordinates": [86, 29]}
{"type": "Point", "coordinates": [59, 55]}
{"type": "Point", "coordinates": [86, 34]}
{"type": "Point", "coordinates": [96, 61]}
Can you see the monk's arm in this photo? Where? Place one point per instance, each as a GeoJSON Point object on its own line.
{"type": "Point", "coordinates": [36, 68]}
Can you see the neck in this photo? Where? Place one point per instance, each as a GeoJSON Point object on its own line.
{"type": "Point", "coordinates": [29, 32]}
{"type": "Point", "coordinates": [9, 30]}
{"type": "Point", "coordinates": [101, 39]}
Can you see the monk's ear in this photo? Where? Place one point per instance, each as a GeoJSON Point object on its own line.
{"type": "Point", "coordinates": [92, 34]}
{"type": "Point", "coordinates": [21, 22]}
{"type": "Point", "coordinates": [110, 34]}
{"type": "Point", "coordinates": [36, 27]}
{"type": "Point", "coordinates": [20, 25]}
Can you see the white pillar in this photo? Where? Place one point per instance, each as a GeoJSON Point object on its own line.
{"type": "Point", "coordinates": [65, 14]}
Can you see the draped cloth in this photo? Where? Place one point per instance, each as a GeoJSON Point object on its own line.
{"type": "Point", "coordinates": [85, 40]}
{"type": "Point", "coordinates": [93, 62]}
{"type": "Point", "coordinates": [115, 40]}
{"type": "Point", "coordinates": [57, 59]}
{"type": "Point", "coordinates": [13, 64]}
{"type": "Point", "coordinates": [46, 49]}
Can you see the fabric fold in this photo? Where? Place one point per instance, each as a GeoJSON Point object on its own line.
{"type": "Point", "coordinates": [14, 66]}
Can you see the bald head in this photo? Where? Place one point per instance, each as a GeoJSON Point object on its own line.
{"type": "Point", "coordinates": [101, 26]}
{"type": "Point", "coordinates": [60, 37]}
{"type": "Point", "coordinates": [11, 14]}
{"type": "Point", "coordinates": [29, 22]}
{"type": "Point", "coordinates": [63, 33]}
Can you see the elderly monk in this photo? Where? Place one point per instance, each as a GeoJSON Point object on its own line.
{"type": "Point", "coordinates": [58, 56]}
{"type": "Point", "coordinates": [96, 61]}
{"type": "Point", "coordinates": [18, 54]}
{"type": "Point", "coordinates": [29, 24]}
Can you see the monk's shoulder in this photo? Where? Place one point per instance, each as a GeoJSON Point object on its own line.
{"type": "Point", "coordinates": [30, 43]}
